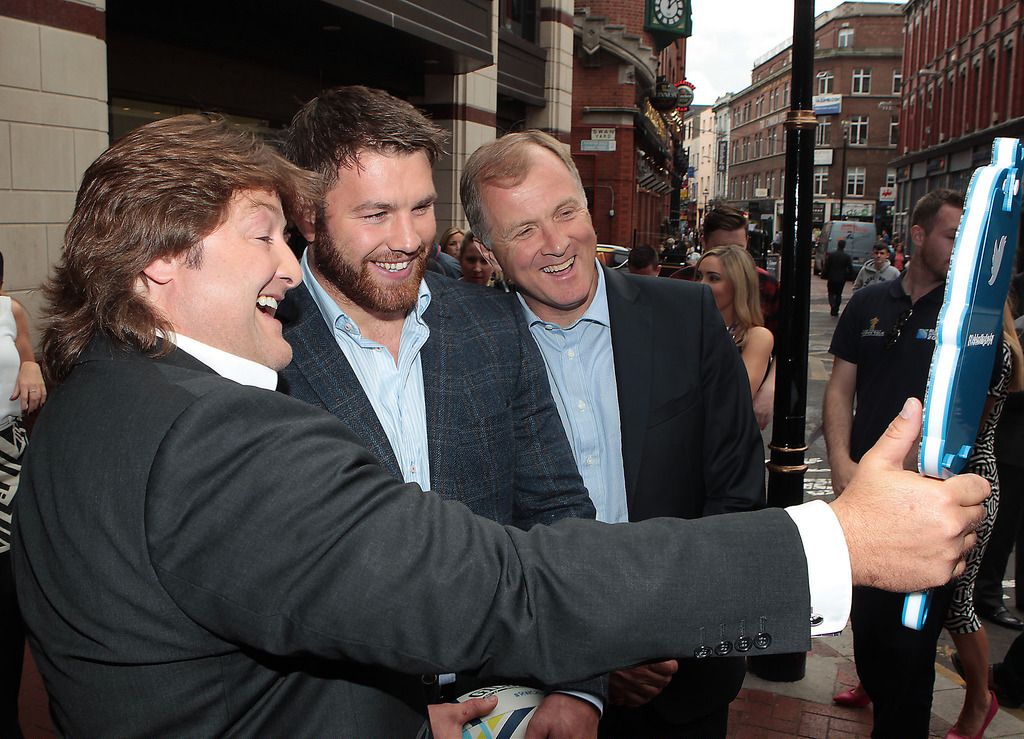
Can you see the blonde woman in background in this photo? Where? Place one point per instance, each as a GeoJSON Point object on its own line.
{"type": "Point", "coordinates": [451, 241]}
{"type": "Point", "coordinates": [729, 272]}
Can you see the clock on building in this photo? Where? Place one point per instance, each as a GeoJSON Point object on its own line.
{"type": "Point", "coordinates": [668, 12]}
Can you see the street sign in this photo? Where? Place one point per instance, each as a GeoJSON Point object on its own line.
{"type": "Point", "coordinates": [886, 194]}
{"type": "Point", "coordinates": [602, 134]}
{"type": "Point", "coordinates": [591, 145]}
{"type": "Point", "coordinates": [822, 157]}
{"type": "Point", "coordinates": [827, 104]}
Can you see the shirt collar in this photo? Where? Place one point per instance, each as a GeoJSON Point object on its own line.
{"type": "Point", "coordinates": [597, 311]}
{"type": "Point", "coordinates": [335, 317]}
{"type": "Point", "coordinates": [241, 370]}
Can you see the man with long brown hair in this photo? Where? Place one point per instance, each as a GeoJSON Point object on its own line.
{"type": "Point", "coordinates": [198, 555]}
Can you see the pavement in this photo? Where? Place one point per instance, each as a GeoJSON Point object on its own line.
{"type": "Point", "coordinates": [770, 709]}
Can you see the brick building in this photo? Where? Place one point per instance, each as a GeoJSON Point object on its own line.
{"type": "Point", "coordinates": [75, 74]}
{"type": "Point", "coordinates": [963, 86]}
{"type": "Point", "coordinates": [625, 149]}
{"type": "Point", "coordinates": [857, 67]}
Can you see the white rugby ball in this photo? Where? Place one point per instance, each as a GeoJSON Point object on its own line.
{"type": "Point", "coordinates": [509, 719]}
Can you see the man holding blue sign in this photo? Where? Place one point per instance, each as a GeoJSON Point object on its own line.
{"type": "Point", "coordinates": [883, 348]}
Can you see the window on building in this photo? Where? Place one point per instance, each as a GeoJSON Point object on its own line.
{"type": "Point", "coordinates": [845, 38]}
{"type": "Point", "coordinates": [894, 131]}
{"type": "Point", "coordinates": [757, 146]}
{"type": "Point", "coordinates": [826, 82]}
{"type": "Point", "coordinates": [757, 184]}
{"type": "Point", "coordinates": [519, 17]}
{"type": "Point", "coordinates": [861, 82]}
{"type": "Point", "coordinates": [821, 180]}
{"type": "Point", "coordinates": [897, 82]}
{"type": "Point", "coordinates": [890, 177]}
{"type": "Point", "coordinates": [855, 178]}
{"type": "Point", "coordinates": [857, 133]}
{"type": "Point", "coordinates": [769, 181]}
{"type": "Point", "coordinates": [759, 108]}
{"type": "Point", "coordinates": [771, 142]}
{"type": "Point", "coordinates": [746, 149]}
{"type": "Point", "coordinates": [785, 95]}
{"type": "Point", "coordinates": [823, 134]}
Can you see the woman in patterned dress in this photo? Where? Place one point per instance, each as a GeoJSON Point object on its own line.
{"type": "Point", "coordinates": [962, 622]}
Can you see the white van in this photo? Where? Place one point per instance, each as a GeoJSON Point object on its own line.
{"type": "Point", "coordinates": [860, 239]}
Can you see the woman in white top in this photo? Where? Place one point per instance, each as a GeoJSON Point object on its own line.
{"type": "Point", "coordinates": [21, 391]}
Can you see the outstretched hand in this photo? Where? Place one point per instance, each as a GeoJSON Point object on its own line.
{"type": "Point", "coordinates": [906, 532]}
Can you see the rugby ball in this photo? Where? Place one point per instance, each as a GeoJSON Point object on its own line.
{"type": "Point", "coordinates": [509, 719]}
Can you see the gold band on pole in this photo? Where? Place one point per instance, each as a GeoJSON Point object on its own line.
{"type": "Point", "coordinates": [801, 120]}
{"type": "Point", "coordinates": [787, 469]}
{"type": "Point", "coordinates": [787, 448]}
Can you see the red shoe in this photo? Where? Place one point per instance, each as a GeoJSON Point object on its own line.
{"type": "Point", "coordinates": [993, 709]}
{"type": "Point", "coordinates": [854, 698]}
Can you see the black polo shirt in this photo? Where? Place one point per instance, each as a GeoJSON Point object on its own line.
{"type": "Point", "coordinates": [890, 369]}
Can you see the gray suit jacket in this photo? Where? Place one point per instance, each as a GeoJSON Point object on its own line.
{"type": "Point", "coordinates": [195, 557]}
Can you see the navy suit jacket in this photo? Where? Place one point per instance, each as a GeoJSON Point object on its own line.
{"type": "Point", "coordinates": [495, 441]}
{"type": "Point", "coordinates": [690, 443]}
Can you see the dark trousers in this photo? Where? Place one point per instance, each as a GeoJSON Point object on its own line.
{"type": "Point", "coordinates": [895, 664]}
{"type": "Point", "coordinates": [12, 650]}
{"type": "Point", "coordinates": [988, 588]}
{"type": "Point", "coordinates": [645, 721]}
{"type": "Point", "coordinates": [835, 295]}
{"type": "Point", "coordinates": [1010, 674]}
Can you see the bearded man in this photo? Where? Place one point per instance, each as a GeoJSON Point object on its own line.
{"type": "Point", "coordinates": [439, 378]}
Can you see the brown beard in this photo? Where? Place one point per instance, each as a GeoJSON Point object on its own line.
{"type": "Point", "coordinates": [355, 282]}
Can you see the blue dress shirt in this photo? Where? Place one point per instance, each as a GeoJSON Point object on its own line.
{"type": "Point", "coordinates": [581, 370]}
{"type": "Point", "coordinates": [395, 390]}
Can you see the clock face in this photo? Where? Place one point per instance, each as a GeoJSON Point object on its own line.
{"type": "Point", "coordinates": [668, 12]}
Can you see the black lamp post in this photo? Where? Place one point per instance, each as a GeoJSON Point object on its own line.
{"type": "Point", "coordinates": [786, 467]}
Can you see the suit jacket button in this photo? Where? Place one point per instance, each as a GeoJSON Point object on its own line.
{"type": "Point", "coordinates": [763, 640]}
{"type": "Point", "coordinates": [723, 647]}
{"type": "Point", "coordinates": [743, 644]}
{"type": "Point", "coordinates": [702, 652]}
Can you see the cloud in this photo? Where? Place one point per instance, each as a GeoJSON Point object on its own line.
{"type": "Point", "coordinates": [729, 34]}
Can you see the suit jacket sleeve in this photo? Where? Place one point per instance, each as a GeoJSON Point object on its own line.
{"type": "Point", "coordinates": [271, 527]}
{"type": "Point", "coordinates": [733, 451]}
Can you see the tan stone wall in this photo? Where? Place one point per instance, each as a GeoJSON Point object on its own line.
{"type": "Point", "coordinates": [53, 123]}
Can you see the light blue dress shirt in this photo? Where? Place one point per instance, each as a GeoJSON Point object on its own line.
{"type": "Point", "coordinates": [581, 370]}
{"type": "Point", "coordinates": [395, 390]}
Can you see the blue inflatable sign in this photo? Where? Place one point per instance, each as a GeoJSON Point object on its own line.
{"type": "Point", "coordinates": [970, 324]}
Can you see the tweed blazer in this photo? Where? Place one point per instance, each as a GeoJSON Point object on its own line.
{"type": "Point", "coordinates": [495, 441]}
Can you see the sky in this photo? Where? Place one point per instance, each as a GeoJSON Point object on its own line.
{"type": "Point", "coordinates": [729, 34]}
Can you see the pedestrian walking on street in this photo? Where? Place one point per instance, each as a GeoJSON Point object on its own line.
{"type": "Point", "coordinates": [877, 270]}
{"type": "Point", "coordinates": [838, 266]}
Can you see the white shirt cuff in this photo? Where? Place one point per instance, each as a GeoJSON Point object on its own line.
{"type": "Point", "coordinates": [828, 566]}
{"type": "Point", "coordinates": [590, 698]}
